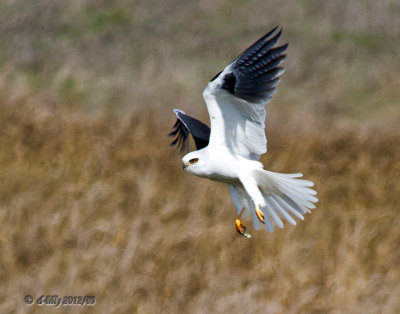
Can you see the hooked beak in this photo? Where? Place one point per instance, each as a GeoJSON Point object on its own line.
{"type": "Point", "coordinates": [185, 165]}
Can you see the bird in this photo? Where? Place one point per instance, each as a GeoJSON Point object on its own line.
{"type": "Point", "coordinates": [229, 151]}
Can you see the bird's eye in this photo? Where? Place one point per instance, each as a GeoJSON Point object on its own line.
{"type": "Point", "coordinates": [194, 160]}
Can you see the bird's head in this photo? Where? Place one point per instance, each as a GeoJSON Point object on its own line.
{"type": "Point", "coordinates": [192, 162]}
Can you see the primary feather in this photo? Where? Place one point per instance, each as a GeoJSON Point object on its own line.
{"type": "Point", "coordinates": [186, 124]}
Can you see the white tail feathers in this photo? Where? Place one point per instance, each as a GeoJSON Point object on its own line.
{"type": "Point", "coordinates": [284, 195]}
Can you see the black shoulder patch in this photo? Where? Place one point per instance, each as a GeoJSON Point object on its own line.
{"type": "Point", "coordinates": [229, 82]}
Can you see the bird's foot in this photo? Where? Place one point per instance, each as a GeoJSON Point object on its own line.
{"type": "Point", "coordinates": [240, 227]}
{"type": "Point", "coordinates": [259, 214]}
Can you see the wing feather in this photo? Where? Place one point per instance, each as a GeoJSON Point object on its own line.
{"type": "Point", "coordinates": [186, 125]}
{"type": "Point", "coordinates": [236, 96]}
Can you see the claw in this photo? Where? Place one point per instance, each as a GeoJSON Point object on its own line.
{"type": "Point", "coordinates": [241, 228]}
{"type": "Point", "coordinates": [259, 213]}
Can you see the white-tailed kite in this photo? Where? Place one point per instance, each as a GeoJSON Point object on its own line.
{"type": "Point", "coordinates": [229, 152]}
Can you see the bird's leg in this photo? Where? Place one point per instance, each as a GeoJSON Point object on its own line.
{"type": "Point", "coordinates": [240, 227]}
{"type": "Point", "coordinates": [259, 213]}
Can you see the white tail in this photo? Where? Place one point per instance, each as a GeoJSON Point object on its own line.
{"type": "Point", "coordinates": [284, 194]}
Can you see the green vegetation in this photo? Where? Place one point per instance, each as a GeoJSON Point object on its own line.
{"type": "Point", "coordinates": [364, 40]}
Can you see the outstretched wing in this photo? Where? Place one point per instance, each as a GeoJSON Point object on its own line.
{"type": "Point", "coordinates": [185, 125]}
{"type": "Point", "coordinates": [236, 97]}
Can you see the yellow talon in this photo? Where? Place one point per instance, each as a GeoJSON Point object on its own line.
{"type": "Point", "coordinates": [259, 213]}
{"type": "Point", "coordinates": [240, 227]}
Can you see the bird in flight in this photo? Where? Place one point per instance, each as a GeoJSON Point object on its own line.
{"type": "Point", "coordinates": [229, 151]}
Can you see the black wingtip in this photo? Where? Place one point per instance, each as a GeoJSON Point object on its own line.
{"type": "Point", "coordinates": [272, 31]}
{"type": "Point", "coordinates": [255, 73]}
{"type": "Point", "coordinates": [186, 125]}
{"type": "Point", "coordinates": [271, 35]}
{"type": "Point", "coordinates": [279, 35]}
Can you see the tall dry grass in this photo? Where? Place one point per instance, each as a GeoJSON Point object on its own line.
{"type": "Point", "coordinates": [100, 206]}
{"type": "Point", "coordinates": [93, 201]}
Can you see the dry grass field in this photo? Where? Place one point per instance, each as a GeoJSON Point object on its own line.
{"type": "Point", "coordinates": [93, 201]}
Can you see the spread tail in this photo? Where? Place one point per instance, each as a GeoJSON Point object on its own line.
{"type": "Point", "coordinates": [284, 195]}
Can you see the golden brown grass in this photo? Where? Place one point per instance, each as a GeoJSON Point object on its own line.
{"type": "Point", "coordinates": [93, 201]}
{"type": "Point", "coordinates": [100, 206]}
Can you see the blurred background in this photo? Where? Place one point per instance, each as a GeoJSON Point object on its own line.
{"type": "Point", "coordinates": [93, 201]}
